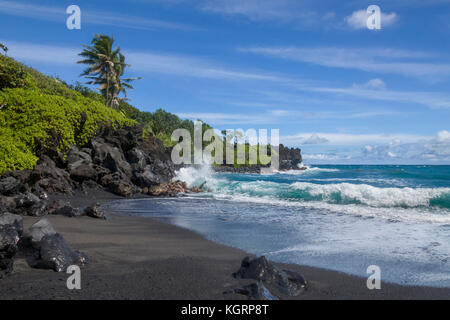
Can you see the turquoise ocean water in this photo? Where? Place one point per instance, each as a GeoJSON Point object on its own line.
{"type": "Point", "coordinates": [342, 218]}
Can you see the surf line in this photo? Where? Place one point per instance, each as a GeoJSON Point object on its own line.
{"type": "Point", "coordinates": [193, 310]}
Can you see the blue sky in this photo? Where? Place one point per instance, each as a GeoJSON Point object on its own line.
{"type": "Point", "coordinates": [341, 92]}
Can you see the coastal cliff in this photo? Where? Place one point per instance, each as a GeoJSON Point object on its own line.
{"type": "Point", "coordinates": [290, 159]}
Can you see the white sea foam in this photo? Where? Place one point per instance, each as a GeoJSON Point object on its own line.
{"type": "Point", "coordinates": [307, 171]}
{"type": "Point", "coordinates": [435, 215]}
{"type": "Point", "coordinates": [373, 196]}
{"type": "Point", "coordinates": [196, 176]}
{"type": "Point", "coordinates": [404, 204]}
{"type": "Point", "coordinates": [312, 170]}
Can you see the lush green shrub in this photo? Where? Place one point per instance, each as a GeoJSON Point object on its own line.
{"type": "Point", "coordinates": [30, 119]}
{"type": "Point", "coordinates": [13, 74]}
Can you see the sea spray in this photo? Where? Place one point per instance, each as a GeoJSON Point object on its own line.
{"type": "Point", "coordinates": [196, 176]}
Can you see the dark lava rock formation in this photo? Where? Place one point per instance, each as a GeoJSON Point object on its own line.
{"type": "Point", "coordinates": [47, 249]}
{"type": "Point", "coordinates": [120, 161]}
{"type": "Point", "coordinates": [94, 211]}
{"type": "Point", "coordinates": [281, 281]}
{"type": "Point", "coordinates": [11, 229]}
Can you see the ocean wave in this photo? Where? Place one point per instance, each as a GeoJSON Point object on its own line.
{"type": "Point", "coordinates": [420, 214]}
{"type": "Point", "coordinates": [339, 193]}
{"type": "Point", "coordinates": [307, 171]}
{"type": "Point", "coordinates": [394, 203]}
{"type": "Point", "coordinates": [374, 196]}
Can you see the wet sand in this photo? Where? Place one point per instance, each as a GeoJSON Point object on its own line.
{"type": "Point", "coordinates": [142, 258]}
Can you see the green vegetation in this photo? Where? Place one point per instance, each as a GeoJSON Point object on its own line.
{"type": "Point", "coordinates": [106, 69]}
{"type": "Point", "coordinates": [39, 112]}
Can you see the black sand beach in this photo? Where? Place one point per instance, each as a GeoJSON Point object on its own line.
{"type": "Point", "coordinates": [142, 258]}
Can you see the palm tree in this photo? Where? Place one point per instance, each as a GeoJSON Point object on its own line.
{"type": "Point", "coordinates": [106, 69]}
{"type": "Point", "coordinates": [4, 48]}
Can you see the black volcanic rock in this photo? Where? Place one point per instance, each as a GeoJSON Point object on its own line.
{"type": "Point", "coordinates": [290, 158]}
{"type": "Point", "coordinates": [48, 250]}
{"type": "Point", "coordinates": [138, 159]}
{"type": "Point", "coordinates": [287, 282]}
{"type": "Point", "coordinates": [94, 211]}
{"type": "Point", "coordinates": [33, 236]}
{"type": "Point", "coordinates": [67, 210]}
{"type": "Point", "coordinates": [54, 253]}
{"type": "Point", "coordinates": [29, 204]}
{"type": "Point", "coordinates": [11, 229]}
{"type": "Point", "coordinates": [83, 172]}
{"type": "Point", "coordinates": [119, 160]}
{"type": "Point", "coordinates": [118, 183]}
{"type": "Point", "coordinates": [9, 185]}
{"type": "Point", "coordinates": [48, 177]}
{"type": "Point", "coordinates": [110, 157]}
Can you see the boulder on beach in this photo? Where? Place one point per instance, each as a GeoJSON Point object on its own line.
{"type": "Point", "coordinates": [286, 282]}
{"type": "Point", "coordinates": [54, 253]}
{"type": "Point", "coordinates": [64, 208]}
{"type": "Point", "coordinates": [28, 204]}
{"type": "Point", "coordinates": [33, 236]}
{"type": "Point", "coordinates": [94, 211]}
{"type": "Point", "coordinates": [48, 249]}
{"type": "Point", "coordinates": [11, 228]}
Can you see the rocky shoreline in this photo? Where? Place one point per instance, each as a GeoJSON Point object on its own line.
{"type": "Point", "coordinates": [118, 161]}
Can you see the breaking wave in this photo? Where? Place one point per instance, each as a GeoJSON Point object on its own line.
{"type": "Point", "coordinates": [353, 196]}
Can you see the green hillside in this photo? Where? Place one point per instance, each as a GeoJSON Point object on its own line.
{"type": "Point", "coordinates": [39, 112]}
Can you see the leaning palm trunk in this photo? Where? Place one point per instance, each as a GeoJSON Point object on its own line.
{"type": "Point", "coordinates": [106, 68]}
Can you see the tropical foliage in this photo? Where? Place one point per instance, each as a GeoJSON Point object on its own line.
{"type": "Point", "coordinates": [39, 112]}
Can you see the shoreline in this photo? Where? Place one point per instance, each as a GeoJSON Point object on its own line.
{"type": "Point", "coordinates": [144, 258]}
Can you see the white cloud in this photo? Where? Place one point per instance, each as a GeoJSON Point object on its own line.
{"type": "Point", "coordinates": [435, 149]}
{"type": "Point", "coordinates": [319, 157]}
{"type": "Point", "coordinates": [376, 148]}
{"type": "Point", "coordinates": [298, 13]}
{"type": "Point", "coordinates": [254, 9]}
{"type": "Point", "coordinates": [349, 139]}
{"type": "Point", "coordinates": [191, 67]}
{"type": "Point", "coordinates": [58, 14]}
{"type": "Point", "coordinates": [315, 139]}
{"type": "Point", "coordinates": [430, 99]}
{"type": "Point", "coordinates": [27, 52]}
{"type": "Point", "coordinates": [391, 154]}
{"type": "Point", "coordinates": [226, 118]}
{"type": "Point", "coordinates": [372, 84]}
{"type": "Point", "coordinates": [385, 61]}
{"type": "Point", "coordinates": [358, 19]}
{"type": "Point", "coordinates": [443, 136]}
